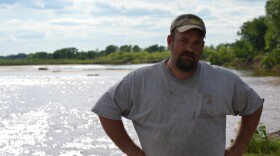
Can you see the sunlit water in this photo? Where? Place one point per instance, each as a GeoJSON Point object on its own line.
{"type": "Point", "coordinates": [47, 112]}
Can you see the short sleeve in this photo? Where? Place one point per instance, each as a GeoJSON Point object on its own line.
{"type": "Point", "coordinates": [245, 100]}
{"type": "Point", "coordinates": [116, 102]}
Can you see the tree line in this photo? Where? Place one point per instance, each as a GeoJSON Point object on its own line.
{"type": "Point", "coordinates": [258, 45]}
{"type": "Point", "coordinates": [74, 53]}
{"type": "Point", "coordinates": [259, 42]}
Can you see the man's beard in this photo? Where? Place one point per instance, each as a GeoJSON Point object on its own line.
{"type": "Point", "coordinates": [186, 65]}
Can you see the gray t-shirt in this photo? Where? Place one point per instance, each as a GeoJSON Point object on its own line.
{"type": "Point", "coordinates": [179, 117]}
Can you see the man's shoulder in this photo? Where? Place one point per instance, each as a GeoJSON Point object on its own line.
{"type": "Point", "coordinates": [142, 76]}
{"type": "Point", "coordinates": [149, 69]}
{"type": "Point", "coordinates": [217, 70]}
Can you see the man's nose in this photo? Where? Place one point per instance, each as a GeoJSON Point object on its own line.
{"type": "Point", "coordinates": [189, 47]}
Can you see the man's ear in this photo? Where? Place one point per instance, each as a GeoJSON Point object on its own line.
{"type": "Point", "coordinates": [169, 40]}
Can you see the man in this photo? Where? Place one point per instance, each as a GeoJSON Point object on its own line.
{"type": "Point", "coordinates": [179, 106]}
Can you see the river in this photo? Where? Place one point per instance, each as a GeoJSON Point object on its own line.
{"type": "Point", "coordinates": [47, 112]}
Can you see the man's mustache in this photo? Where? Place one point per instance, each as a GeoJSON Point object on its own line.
{"type": "Point", "coordinates": [188, 53]}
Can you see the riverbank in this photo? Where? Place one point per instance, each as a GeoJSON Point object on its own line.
{"type": "Point", "coordinates": [274, 135]}
{"type": "Point", "coordinates": [124, 58]}
{"type": "Point", "coordinates": [254, 66]}
{"type": "Point", "coordinates": [255, 69]}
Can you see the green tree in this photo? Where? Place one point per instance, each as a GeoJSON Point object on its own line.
{"type": "Point", "coordinates": [161, 48]}
{"type": "Point", "coordinates": [125, 48]}
{"type": "Point", "coordinates": [110, 49]}
{"type": "Point", "coordinates": [40, 55]}
{"type": "Point", "coordinates": [152, 48]}
{"type": "Point", "coordinates": [81, 55]}
{"type": "Point", "coordinates": [207, 51]}
{"type": "Point", "coordinates": [253, 32]}
{"type": "Point", "coordinates": [92, 54]}
{"type": "Point", "coordinates": [136, 48]}
{"type": "Point", "coordinates": [65, 53]}
{"type": "Point", "coordinates": [272, 59]}
{"type": "Point", "coordinates": [221, 55]}
{"type": "Point", "coordinates": [243, 50]}
{"type": "Point", "coordinates": [17, 56]}
{"type": "Point", "coordinates": [272, 37]}
{"type": "Point", "coordinates": [155, 48]}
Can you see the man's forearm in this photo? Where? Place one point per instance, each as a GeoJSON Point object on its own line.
{"type": "Point", "coordinates": [247, 129]}
{"type": "Point", "coordinates": [117, 133]}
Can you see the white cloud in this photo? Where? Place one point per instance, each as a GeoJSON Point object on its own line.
{"type": "Point", "coordinates": [95, 24]}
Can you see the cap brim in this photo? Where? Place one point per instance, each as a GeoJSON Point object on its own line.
{"type": "Point", "coordinates": [188, 27]}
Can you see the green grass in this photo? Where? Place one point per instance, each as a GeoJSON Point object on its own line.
{"type": "Point", "coordinates": [262, 145]}
{"type": "Point", "coordinates": [42, 61]}
{"type": "Point", "coordinates": [260, 155]}
{"type": "Point", "coordinates": [113, 58]}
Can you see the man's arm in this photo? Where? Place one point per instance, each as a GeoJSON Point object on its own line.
{"type": "Point", "coordinates": [116, 131]}
{"type": "Point", "coordinates": [247, 129]}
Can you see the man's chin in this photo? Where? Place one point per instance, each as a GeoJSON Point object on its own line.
{"type": "Point", "coordinates": [186, 66]}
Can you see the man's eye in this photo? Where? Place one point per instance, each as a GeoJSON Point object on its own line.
{"type": "Point", "coordinates": [197, 43]}
{"type": "Point", "coordinates": [184, 41]}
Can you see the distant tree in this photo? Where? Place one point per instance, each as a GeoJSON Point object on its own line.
{"type": "Point", "coordinates": [80, 55]}
{"type": "Point", "coordinates": [222, 54]}
{"type": "Point", "coordinates": [155, 48]}
{"type": "Point", "coordinates": [17, 56]}
{"type": "Point", "coordinates": [244, 50]}
{"type": "Point", "coordinates": [253, 32]}
{"type": "Point", "coordinates": [136, 48]}
{"type": "Point", "coordinates": [110, 49]}
{"type": "Point", "coordinates": [40, 55]}
{"type": "Point", "coordinates": [212, 46]}
{"type": "Point", "coordinates": [65, 53]}
{"type": "Point", "coordinates": [207, 51]}
{"type": "Point", "coordinates": [161, 48]}
{"type": "Point", "coordinates": [272, 37]}
{"type": "Point", "coordinates": [92, 54]}
{"type": "Point", "coordinates": [152, 48]}
{"type": "Point", "coordinates": [125, 48]}
{"type": "Point", "coordinates": [102, 53]}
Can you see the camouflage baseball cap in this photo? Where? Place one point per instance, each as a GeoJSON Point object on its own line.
{"type": "Point", "coordinates": [186, 22]}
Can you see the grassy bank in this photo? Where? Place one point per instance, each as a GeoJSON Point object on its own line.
{"type": "Point", "coordinates": [150, 57]}
{"type": "Point", "coordinates": [42, 61]}
{"type": "Point", "coordinates": [113, 58]}
{"type": "Point", "coordinates": [263, 144]}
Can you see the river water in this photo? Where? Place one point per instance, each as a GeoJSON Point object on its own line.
{"type": "Point", "coordinates": [47, 112]}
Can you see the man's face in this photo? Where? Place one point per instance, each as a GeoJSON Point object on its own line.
{"type": "Point", "coordinates": [186, 49]}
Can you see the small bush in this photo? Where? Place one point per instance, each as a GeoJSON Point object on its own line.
{"type": "Point", "coordinates": [262, 144]}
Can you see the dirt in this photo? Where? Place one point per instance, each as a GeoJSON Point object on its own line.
{"type": "Point", "coordinates": [274, 135]}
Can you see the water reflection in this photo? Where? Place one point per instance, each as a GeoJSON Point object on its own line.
{"type": "Point", "coordinates": [21, 132]}
{"type": "Point", "coordinates": [47, 113]}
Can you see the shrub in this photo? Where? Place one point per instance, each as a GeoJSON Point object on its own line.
{"type": "Point", "coordinates": [262, 144]}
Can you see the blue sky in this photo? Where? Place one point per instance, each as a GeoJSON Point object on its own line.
{"type": "Point", "coordinates": [30, 26]}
